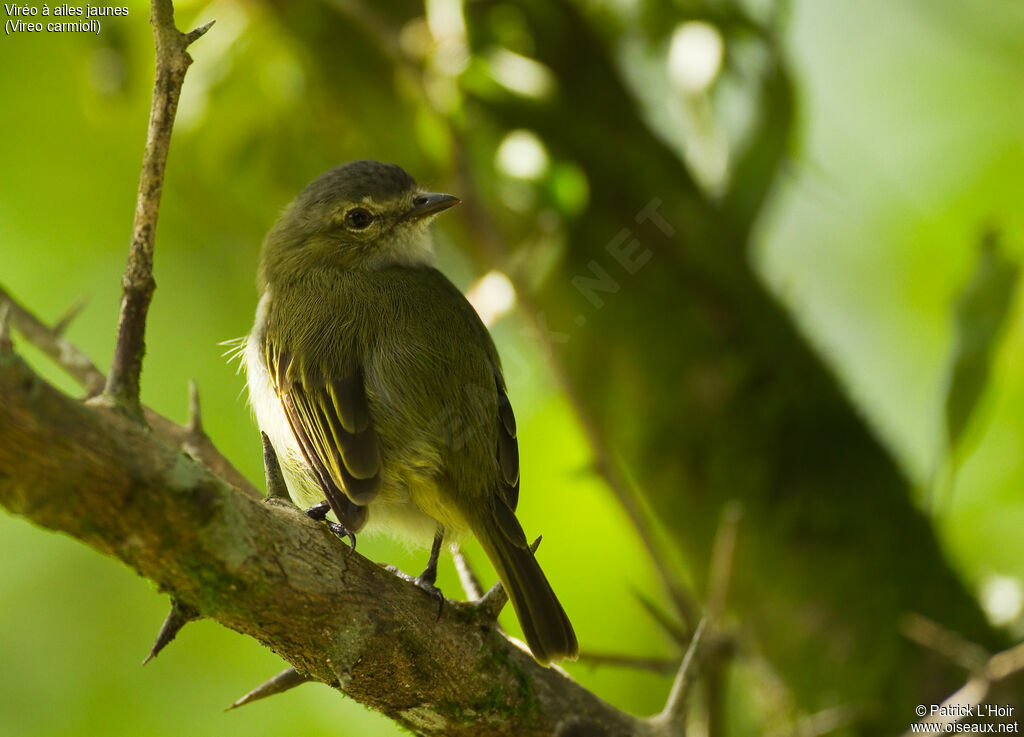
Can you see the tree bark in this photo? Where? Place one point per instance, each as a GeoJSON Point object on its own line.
{"type": "Point", "coordinates": [263, 568]}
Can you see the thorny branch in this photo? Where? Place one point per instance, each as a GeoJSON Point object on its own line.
{"type": "Point", "coordinates": [78, 365]}
{"type": "Point", "coordinates": [172, 61]}
{"type": "Point", "coordinates": [95, 471]}
{"type": "Point", "coordinates": [986, 672]}
{"type": "Point", "coordinates": [81, 368]}
{"type": "Point", "coordinates": [262, 568]}
{"type": "Point", "coordinates": [265, 569]}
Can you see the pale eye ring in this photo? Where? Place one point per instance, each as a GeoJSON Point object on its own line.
{"type": "Point", "coordinates": [358, 218]}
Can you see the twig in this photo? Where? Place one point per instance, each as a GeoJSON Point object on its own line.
{"type": "Point", "coordinates": [5, 326]}
{"type": "Point", "coordinates": [719, 650]}
{"type": "Point", "coordinates": [80, 368]}
{"type": "Point", "coordinates": [820, 723]}
{"type": "Point", "coordinates": [998, 668]}
{"type": "Point", "coordinates": [950, 645]}
{"type": "Point", "coordinates": [172, 61]}
{"type": "Point", "coordinates": [616, 477]}
{"type": "Point", "coordinates": [672, 628]}
{"type": "Point", "coordinates": [673, 717]}
{"type": "Point", "coordinates": [714, 694]}
{"type": "Point", "coordinates": [283, 681]}
{"type": "Point", "coordinates": [661, 666]}
{"type": "Point", "coordinates": [491, 603]}
{"type": "Point", "coordinates": [1006, 663]}
{"type": "Point", "coordinates": [195, 411]}
{"type": "Point", "coordinates": [67, 356]}
{"type": "Point", "coordinates": [722, 554]}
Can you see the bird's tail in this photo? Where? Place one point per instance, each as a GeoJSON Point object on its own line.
{"type": "Point", "coordinates": [545, 624]}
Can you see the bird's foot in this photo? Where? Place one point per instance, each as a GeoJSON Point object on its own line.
{"type": "Point", "coordinates": [319, 512]}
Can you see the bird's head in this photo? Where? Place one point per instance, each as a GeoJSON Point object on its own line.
{"type": "Point", "coordinates": [363, 214]}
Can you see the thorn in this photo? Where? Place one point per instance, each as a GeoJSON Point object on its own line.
{"type": "Point", "coordinates": [62, 324]}
{"type": "Point", "coordinates": [491, 603]}
{"type": "Point", "coordinates": [664, 620]}
{"type": "Point", "coordinates": [276, 488]}
{"type": "Point", "coordinates": [197, 33]}
{"type": "Point", "coordinates": [723, 552]}
{"type": "Point", "coordinates": [66, 356]}
{"type": "Point", "coordinates": [6, 345]}
{"type": "Point", "coordinates": [178, 617]}
{"type": "Point", "coordinates": [195, 413]}
{"type": "Point", "coordinates": [470, 583]}
{"type": "Point", "coordinates": [283, 681]}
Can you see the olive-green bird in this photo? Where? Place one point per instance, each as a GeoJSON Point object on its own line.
{"type": "Point", "coordinates": [380, 388]}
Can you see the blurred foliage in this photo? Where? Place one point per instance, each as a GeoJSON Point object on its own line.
{"type": "Point", "coordinates": [980, 313]}
{"type": "Point", "coordinates": [853, 150]}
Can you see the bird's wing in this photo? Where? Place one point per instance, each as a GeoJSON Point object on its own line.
{"type": "Point", "coordinates": [330, 418]}
{"type": "Point", "coordinates": [508, 447]}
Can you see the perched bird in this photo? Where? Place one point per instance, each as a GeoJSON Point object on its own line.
{"type": "Point", "coordinates": [381, 390]}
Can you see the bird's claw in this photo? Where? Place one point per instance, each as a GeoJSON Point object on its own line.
{"type": "Point", "coordinates": [319, 512]}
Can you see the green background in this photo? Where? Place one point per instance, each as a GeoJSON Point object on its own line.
{"type": "Point", "coordinates": [909, 142]}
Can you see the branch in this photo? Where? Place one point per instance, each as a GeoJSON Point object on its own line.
{"type": "Point", "coordinates": [950, 645]}
{"type": "Point", "coordinates": [95, 472]}
{"type": "Point", "coordinates": [77, 365]}
{"type": "Point", "coordinates": [1000, 667]}
{"type": "Point", "coordinates": [672, 719]}
{"type": "Point", "coordinates": [172, 61]}
{"type": "Point", "coordinates": [719, 649]}
{"type": "Point", "coordinates": [81, 368]}
{"type": "Point", "coordinates": [263, 568]}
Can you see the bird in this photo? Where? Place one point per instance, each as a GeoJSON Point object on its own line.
{"type": "Point", "coordinates": [380, 389]}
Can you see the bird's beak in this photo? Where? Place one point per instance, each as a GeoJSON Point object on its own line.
{"type": "Point", "coordinates": [430, 203]}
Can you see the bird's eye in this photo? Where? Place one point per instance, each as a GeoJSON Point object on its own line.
{"type": "Point", "coordinates": [358, 218]}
